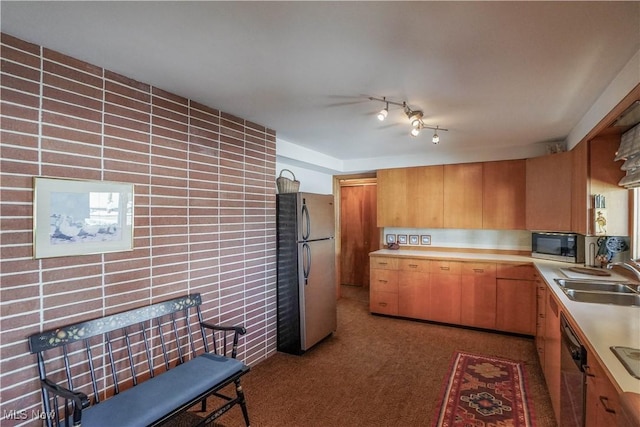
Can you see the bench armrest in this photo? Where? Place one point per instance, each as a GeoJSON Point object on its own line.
{"type": "Point", "coordinates": [237, 331]}
{"type": "Point", "coordinates": [79, 399]}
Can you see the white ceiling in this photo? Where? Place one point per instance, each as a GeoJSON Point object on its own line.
{"type": "Point", "coordinates": [496, 74]}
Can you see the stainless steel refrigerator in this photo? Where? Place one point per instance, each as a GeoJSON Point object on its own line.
{"type": "Point", "coordinates": [306, 270]}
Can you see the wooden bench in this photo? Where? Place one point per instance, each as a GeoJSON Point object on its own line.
{"type": "Point", "coordinates": [140, 367]}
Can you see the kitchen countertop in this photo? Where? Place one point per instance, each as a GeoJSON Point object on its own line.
{"type": "Point", "coordinates": [603, 325]}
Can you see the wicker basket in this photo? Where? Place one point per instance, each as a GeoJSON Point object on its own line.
{"type": "Point", "coordinates": [286, 185]}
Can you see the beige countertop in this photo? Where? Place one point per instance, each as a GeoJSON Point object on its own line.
{"type": "Point", "coordinates": [602, 325]}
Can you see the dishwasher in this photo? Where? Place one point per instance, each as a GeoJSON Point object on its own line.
{"type": "Point", "coordinates": [573, 379]}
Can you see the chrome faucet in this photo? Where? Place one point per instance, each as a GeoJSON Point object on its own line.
{"type": "Point", "coordinates": [632, 266]}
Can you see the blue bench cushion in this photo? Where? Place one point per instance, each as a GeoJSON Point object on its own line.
{"type": "Point", "coordinates": [152, 399]}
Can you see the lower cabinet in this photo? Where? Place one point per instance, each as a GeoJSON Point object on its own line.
{"type": "Point", "coordinates": [383, 292]}
{"type": "Point", "coordinates": [516, 298]}
{"type": "Point", "coordinates": [541, 299]}
{"type": "Point", "coordinates": [444, 301]}
{"type": "Point", "coordinates": [414, 289]}
{"type": "Point", "coordinates": [602, 401]}
{"type": "Point", "coordinates": [478, 296]}
{"type": "Point", "coordinates": [552, 352]}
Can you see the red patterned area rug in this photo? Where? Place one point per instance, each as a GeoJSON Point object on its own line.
{"type": "Point", "coordinates": [483, 391]}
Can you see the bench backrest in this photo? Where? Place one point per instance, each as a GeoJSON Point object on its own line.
{"type": "Point", "coordinates": [99, 357]}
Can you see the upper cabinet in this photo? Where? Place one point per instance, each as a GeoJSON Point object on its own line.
{"type": "Point", "coordinates": [503, 195]}
{"type": "Point", "coordinates": [487, 195]}
{"type": "Point", "coordinates": [548, 192]}
{"type": "Point", "coordinates": [463, 195]}
{"type": "Point", "coordinates": [410, 197]}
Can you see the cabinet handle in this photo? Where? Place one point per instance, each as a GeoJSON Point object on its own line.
{"type": "Point", "coordinates": [587, 371]}
{"type": "Point", "coordinates": [604, 401]}
{"type": "Point", "coordinates": [383, 281]}
{"type": "Point", "coordinates": [444, 268]}
{"type": "Point", "coordinates": [413, 265]}
{"type": "Point", "coordinates": [382, 304]}
{"type": "Point", "coordinates": [478, 270]}
{"type": "Point", "coordinates": [382, 263]}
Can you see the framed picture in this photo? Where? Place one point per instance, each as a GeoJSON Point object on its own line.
{"type": "Point", "coordinates": [413, 239]}
{"type": "Point", "coordinates": [390, 238]}
{"type": "Point", "coordinates": [402, 239]}
{"type": "Point", "coordinates": [425, 239]}
{"type": "Point", "coordinates": [78, 217]}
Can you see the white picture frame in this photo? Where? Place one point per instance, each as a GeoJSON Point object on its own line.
{"type": "Point", "coordinates": [425, 239]}
{"type": "Point", "coordinates": [81, 217]}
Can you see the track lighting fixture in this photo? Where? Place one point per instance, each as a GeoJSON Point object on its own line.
{"type": "Point", "coordinates": [415, 118]}
{"type": "Point", "coordinates": [436, 137]}
{"type": "Point", "coordinates": [383, 113]}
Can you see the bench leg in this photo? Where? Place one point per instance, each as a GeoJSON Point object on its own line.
{"type": "Point", "coordinates": [242, 402]}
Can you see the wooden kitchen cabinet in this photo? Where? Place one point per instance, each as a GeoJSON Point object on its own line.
{"type": "Point", "coordinates": [552, 349]}
{"type": "Point", "coordinates": [383, 292]}
{"type": "Point", "coordinates": [444, 301]}
{"type": "Point", "coordinates": [478, 294]}
{"type": "Point", "coordinates": [548, 192]}
{"type": "Point", "coordinates": [602, 401]}
{"type": "Point", "coordinates": [410, 197]}
{"type": "Point", "coordinates": [463, 195]}
{"type": "Point", "coordinates": [541, 299]}
{"type": "Point", "coordinates": [392, 197]}
{"type": "Point", "coordinates": [516, 298]}
{"type": "Point", "coordinates": [413, 288]}
{"type": "Point", "coordinates": [504, 195]}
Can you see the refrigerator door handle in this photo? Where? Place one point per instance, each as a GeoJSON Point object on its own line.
{"type": "Point", "coordinates": [306, 262]}
{"type": "Point", "coordinates": [306, 222]}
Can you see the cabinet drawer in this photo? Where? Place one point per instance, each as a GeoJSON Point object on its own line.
{"type": "Point", "coordinates": [384, 263]}
{"type": "Point", "coordinates": [384, 281]}
{"type": "Point", "coordinates": [487, 268]}
{"type": "Point", "coordinates": [445, 267]}
{"type": "Point", "coordinates": [383, 302]}
{"type": "Point", "coordinates": [517, 271]}
{"type": "Point", "coordinates": [414, 264]}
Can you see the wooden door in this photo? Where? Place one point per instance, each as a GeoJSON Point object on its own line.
{"type": "Point", "coordinates": [359, 234]}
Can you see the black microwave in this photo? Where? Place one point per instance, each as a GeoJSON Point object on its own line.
{"type": "Point", "coordinates": [566, 247]}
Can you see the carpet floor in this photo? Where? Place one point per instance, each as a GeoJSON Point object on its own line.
{"type": "Point", "coordinates": [374, 371]}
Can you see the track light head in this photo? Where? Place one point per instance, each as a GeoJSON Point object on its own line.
{"type": "Point", "coordinates": [415, 118]}
{"type": "Point", "coordinates": [383, 113]}
{"type": "Point", "coordinates": [415, 131]}
{"type": "Point", "coordinates": [436, 137]}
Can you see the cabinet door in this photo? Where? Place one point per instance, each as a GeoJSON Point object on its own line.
{"type": "Point", "coordinates": [445, 291]}
{"type": "Point", "coordinates": [392, 197]}
{"type": "Point", "coordinates": [463, 195]}
{"type": "Point", "coordinates": [602, 401]}
{"type": "Point", "coordinates": [552, 349]}
{"type": "Point", "coordinates": [425, 197]}
{"type": "Point", "coordinates": [548, 192]}
{"type": "Point", "coordinates": [410, 197]}
{"type": "Point", "coordinates": [541, 298]}
{"type": "Point", "coordinates": [516, 306]}
{"type": "Point", "coordinates": [503, 193]}
{"type": "Point", "coordinates": [478, 295]}
{"type": "Point", "coordinates": [413, 294]}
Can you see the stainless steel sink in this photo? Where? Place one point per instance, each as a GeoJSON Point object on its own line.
{"type": "Point", "coordinates": [604, 297]}
{"type": "Point", "coordinates": [596, 285]}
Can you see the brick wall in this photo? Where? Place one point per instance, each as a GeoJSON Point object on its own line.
{"type": "Point", "coordinates": [204, 206]}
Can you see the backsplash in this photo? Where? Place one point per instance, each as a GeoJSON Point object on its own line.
{"type": "Point", "coordinates": [519, 240]}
